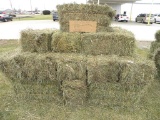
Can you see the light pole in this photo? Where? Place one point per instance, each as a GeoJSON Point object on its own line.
{"type": "Point", "coordinates": [131, 12]}
{"type": "Point", "coordinates": [150, 13]}
{"type": "Point", "coordinates": [31, 6]}
{"type": "Point", "coordinates": [10, 4]}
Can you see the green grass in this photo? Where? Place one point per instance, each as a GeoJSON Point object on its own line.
{"type": "Point", "coordinates": [34, 17]}
{"type": "Point", "coordinates": [12, 108]}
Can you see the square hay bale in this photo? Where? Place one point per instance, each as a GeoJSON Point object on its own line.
{"type": "Point", "coordinates": [71, 74]}
{"type": "Point", "coordinates": [108, 43]}
{"type": "Point", "coordinates": [157, 35]}
{"type": "Point", "coordinates": [36, 40]}
{"type": "Point", "coordinates": [84, 12]}
{"type": "Point", "coordinates": [66, 42]}
{"type": "Point", "coordinates": [153, 48]}
{"type": "Point", "coordinates": [38, 92]}
{"type": "Point", "coordinates": [33, 76]}
{"type": "Point", "coordinates": [157, 61]}
{"type": "Point", "coordinates": [74, 92]}
{"type": "Point", "coordinates": [116, 81]}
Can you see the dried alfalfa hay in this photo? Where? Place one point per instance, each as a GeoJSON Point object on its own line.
{"type": "Point", "coordinates": [65, 42]}
{"type": "Point", "coordinates": [157, 61]}
{"type": "Point", "coordinates": [153, 48]}
{"type": "Point", "coordinates": [157, 35]}
{"type": "Point", "coordinates": [36, 40]}
{"type": "Point", "coordinates": [108, 43]}
{"type": "Point", "coordinates": [116, 81]}
{"type": "Point", "coordinates": [33, 76]}
{"type": "Point", "coordinates": [71, 74]}
{"type": "Point", "coordinates": [74, 92]}
{"type": "Point", "coordinates": [102, 14]}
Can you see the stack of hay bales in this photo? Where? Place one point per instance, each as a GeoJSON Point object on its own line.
{"type": "Point", "coordinates": [155, 44]}
{"type": "Point", "coordinates": [76, 68]}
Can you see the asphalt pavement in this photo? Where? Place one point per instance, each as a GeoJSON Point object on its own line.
{"type": "Point", "coordinates": [11, 30]}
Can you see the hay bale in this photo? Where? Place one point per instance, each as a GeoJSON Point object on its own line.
{"type": "Point", "coordinates": [157, 61]}
{"type": "Point", "coordinates": [84, 12]}
{"type": "Point", "coordinates": [108, 43]}
{"type": "Point", "coordinates": [157, 36]}
{"type": "Point", "coordinates": [33, 76]}
{"type": "Point", "coordinates": [71, 73]}
{"type": "Point", "coordinates": [153, 48]}
{"type": "Point", "coordinates": [115, 81]}
{"type": "Point", "coordinates": [36, 40]}
{"type": "Point", "coordinates": [66, 42]}
{"type": "Point", "coordinates": [74, 92]}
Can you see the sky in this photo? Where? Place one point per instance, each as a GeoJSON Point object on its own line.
{"type": "Point", "coordinates": [42, 4]}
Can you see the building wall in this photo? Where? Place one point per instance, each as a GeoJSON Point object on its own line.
{"type": "Point", "coordinates": [116, 7]}
{"type": "Point", "coordinates": [140, 8]}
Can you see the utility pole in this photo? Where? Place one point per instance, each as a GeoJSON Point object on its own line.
{"type": "Point", "coordinates": [31, 6]}
{"type": "Point", "coordinates": [131, 12]}
{"type": "Point", "coordinates": [11, 4]}
{"type": "Point", "coordinates": [150, 13]}
{"type": "Point", "coordinates": [98, 2]}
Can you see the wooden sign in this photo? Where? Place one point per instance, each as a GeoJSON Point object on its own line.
{"type": "Point", "coordinates": [82, 26]}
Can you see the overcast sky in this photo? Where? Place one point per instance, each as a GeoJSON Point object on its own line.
{"type": "Point", "coordinates": [42, 4]}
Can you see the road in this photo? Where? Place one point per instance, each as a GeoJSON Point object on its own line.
{"type": "Point", "coordinates": [11, 30]}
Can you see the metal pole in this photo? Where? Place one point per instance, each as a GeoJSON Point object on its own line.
{"type": "Point", "coordinates": [131, 12]}
{"type": "Point", "coordinates": [31, 6]}
{"type": "Point", "coordinates": [98, 2]}
{"type": "Point", "coordinates": [150, 13]}
{"type": "Point", "coordinates": [11, 4]}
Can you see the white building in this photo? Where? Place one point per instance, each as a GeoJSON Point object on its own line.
{"type": "Point", "coordinates": [131, 7]}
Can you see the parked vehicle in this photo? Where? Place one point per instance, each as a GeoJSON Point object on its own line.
{"type": "Point", "coordinates": [8, 12]}
{"type": "Point", "coordinates": [156, 18]}
{"type": "Point", "coordinates": [5, 18]}
{"type": "Point", "coordinates": [55, 16]}
{"type": "Point", "coordinates": [121, 17]}
{"type": "Point", "coordinates": [145, 18]}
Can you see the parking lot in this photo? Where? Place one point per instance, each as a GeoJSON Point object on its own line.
{"type": "Point", "coordinates": [11, 30]}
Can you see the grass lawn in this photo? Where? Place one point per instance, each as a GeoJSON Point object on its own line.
{"type": "Point", "coordinates": [12, 108]}
{"type": "Point", "coordinates": [34, 17]}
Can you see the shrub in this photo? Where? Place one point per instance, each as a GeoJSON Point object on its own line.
{"type": "Point", "coordinates": [46, 12]}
